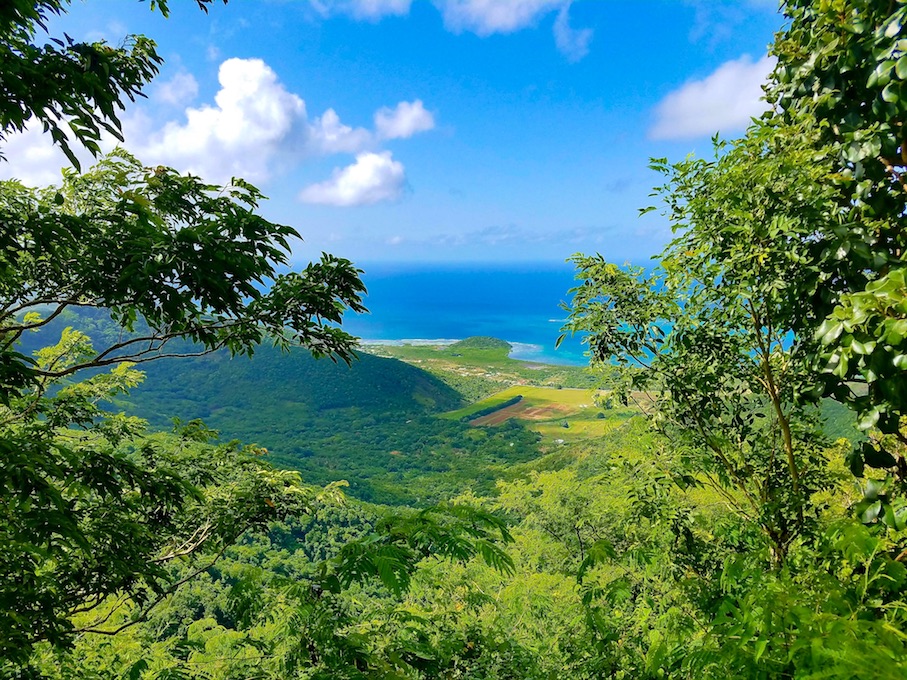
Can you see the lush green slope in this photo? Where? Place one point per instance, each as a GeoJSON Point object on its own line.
{"type": "Point", "coordinates": [374, 424]}
{"type": "Point", "coordinates": [282, 386]}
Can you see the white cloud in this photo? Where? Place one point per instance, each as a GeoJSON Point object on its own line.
{"type": "Point", "coordinates": [724, 101]}
{"type": "Point", "coordinates": [253, 129]}
{"type": "Point", "coordinates": [257, 127]}
{"type": "Point", "coordinates": [178, 91]}
{"type": "Point", "coordinates": [485, 17]}
{"type": "Point", "coordinates": [373, 178]}
{"type": "Point", "coordinates": [371, 10]}
{"type": "Point", "coordinates": [572, 43]}
{"type": "Point", "coordinates": [31, 158]}
{"type": "Point", "coordinates": [407, 119]}
{"type": "Point", "coordinates": [253, 120]}
{"type": "Point", "coordinates": [330, 136]}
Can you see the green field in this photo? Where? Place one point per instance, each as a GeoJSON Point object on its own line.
{"type": "Point", "coordinates": [480, 367]}
{"type": "Point", "coordinates": [559, 415]}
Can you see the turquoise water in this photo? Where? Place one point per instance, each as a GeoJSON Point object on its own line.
{"type": "Point", "coordinates": [519, 303]}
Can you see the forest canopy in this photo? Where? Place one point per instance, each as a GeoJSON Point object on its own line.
{"type": "Point", "coordinates": [715, 532]}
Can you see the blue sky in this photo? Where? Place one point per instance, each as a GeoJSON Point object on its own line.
{"type": "Point", "coordinates": [453, 130]}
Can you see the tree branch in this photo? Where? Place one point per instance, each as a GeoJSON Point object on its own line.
{"type": "Point", "coordinates": [145, 611]}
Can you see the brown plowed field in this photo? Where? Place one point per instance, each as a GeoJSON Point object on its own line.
{"type": "Point", "coordinates": [524, 411]}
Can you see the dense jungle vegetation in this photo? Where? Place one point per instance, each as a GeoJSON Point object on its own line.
{"type": "Point", "coordinates": [711, 529]}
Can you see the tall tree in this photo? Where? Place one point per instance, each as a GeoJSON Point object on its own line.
{"type": "Point", "coordinates": [707, 334]}
{"type": "Point", "coordinates": [786, 282]}
{"type": "Point", "coordinates": [88, 508]}
{"type": "Point", "coordinates": [842, 71]}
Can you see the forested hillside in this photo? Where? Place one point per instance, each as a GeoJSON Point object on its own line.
{"type": "Point", "coordinates": [373, 423]}
{"type": "Point", "coordinates": [692, 519]}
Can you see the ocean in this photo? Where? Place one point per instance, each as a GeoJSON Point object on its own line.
{"type": "Point", "coordinates": [519, 303]}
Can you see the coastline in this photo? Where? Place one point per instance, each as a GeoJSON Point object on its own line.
{"type": "Point", "coordinates": [527, 352]}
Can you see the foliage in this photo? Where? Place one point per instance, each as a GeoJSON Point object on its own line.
{"type": "Point", "coordinates": [140, 242]}
{"type": "Point", "coordinates": [708, 346]}
{"type": "Point", "coordinates": [90, 508]}
{"type": "Point", "coordinates": [143, 242]}
{"type": "Point", "coordinates": [841, 71]}
{"type": "Point", "coordinates": [70, 88]}
{"type": "Point", "coordinates": [784, 283]}
{"type": "Point", "coordinates": [374, 424]}
{"type": "Point", "coordinates": [100, 512]}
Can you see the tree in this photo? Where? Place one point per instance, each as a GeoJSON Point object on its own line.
{"type": "Point", "coordinates": [785, 283]}
{"type": "Point", "coordinates": [89, 508]}
{"type": "Point", "coordinates": [172, 259]}
{"type": "Point", "coordinates": [68, 87]}
{"type": "Point", "coordinates": [842, 71]}
{"type": "Point", "coordinates": [715, 346]}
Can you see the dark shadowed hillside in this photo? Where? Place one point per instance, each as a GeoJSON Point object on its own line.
{"type": "Point", "coordinates": [282, 386]}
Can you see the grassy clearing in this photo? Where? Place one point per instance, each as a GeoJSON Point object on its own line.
{"type": "Point", "coordinates": [490, 402]}
{"type": "Point", "coordinates": [559, 415]}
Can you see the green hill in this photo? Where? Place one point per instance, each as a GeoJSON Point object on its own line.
{"type": "Point", "coordinates": [374, 424]}
{"type": "Point", "coordinates": [481, 342]}
{"type": "Point", "coordinates": [280, 385]}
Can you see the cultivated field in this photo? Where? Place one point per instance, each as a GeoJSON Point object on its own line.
{"type": "Point", "coordinates": [559, 415]}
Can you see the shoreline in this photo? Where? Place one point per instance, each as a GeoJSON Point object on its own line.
{"type": "Point", "coordinates": [527, 352]}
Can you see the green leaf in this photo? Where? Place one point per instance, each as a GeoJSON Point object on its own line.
{"type": "Point", "coordinates": [873, 489]}
{"type": "Point", "coordinates": [761, 645]}
{"type": "Point", "coordinates": [870, 514]}
{"type": "Point", "coordinates": [901, 67]}
{"type": "Point", "coordinates": [599, 552]}
{"type": "Point", "coordinates": [855, 462]}
{"type": "Point", "coordinates": [869, 419]}
{"type": "Point", "coordinates": [136, 670]}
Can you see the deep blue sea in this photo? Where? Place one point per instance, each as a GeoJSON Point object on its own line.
{"type": "Point", "coordinates": [519, 303]}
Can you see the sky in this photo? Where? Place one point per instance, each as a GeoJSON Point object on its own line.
{"type": "Point", "coordinates": [499, 131]}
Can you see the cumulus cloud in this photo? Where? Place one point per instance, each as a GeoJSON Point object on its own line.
{"type": "Point", "coordinates": [407, 119]}
{"type": "Point", "coordinates": [374, 177]}
{"type": "Point", "coordinates": [724, 101]}
{"type": "Point", "coordinates": [572, 43]}
{"type": "Point", "coordinates": [253, 119]}
{"type": "Point", "coordinates": [178, 91]}
{"type": "Point", "coordinates": [329, 135]}
{"type": "Point", "coordinates": [255, 128]}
